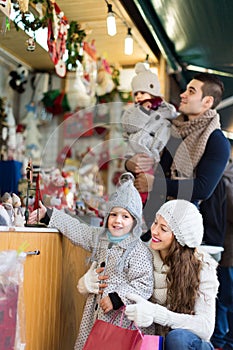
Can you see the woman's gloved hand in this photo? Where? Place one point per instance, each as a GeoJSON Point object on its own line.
{"type": "Point", "coordinates": [141, 312]}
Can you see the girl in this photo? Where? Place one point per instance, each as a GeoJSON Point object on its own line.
{"type": "Point", "coordinates": [116, 246]}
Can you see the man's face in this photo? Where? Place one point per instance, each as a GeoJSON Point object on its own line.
{"type": "Point", "coordinates": [192, 103]}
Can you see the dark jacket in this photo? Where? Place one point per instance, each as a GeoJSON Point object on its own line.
{"type": "Point", "coordinates": [214, 213]}
{"type": "Point", "coordinates": [227, 255]}
{"type": "Point", "coordinates": [208, 173]}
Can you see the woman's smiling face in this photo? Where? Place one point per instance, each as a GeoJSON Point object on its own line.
{"type": "Point", "coordinates": [161, 236]}
{"type": "Point", "coordinates": [120, 222]}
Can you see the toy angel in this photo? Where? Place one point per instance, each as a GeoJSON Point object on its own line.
{"type": "Point", "coordinates": [19, 219]}
{"type": "Point", "coordinates": [4, 217]}
{"type": "Point", "coordinates": [7, 204]}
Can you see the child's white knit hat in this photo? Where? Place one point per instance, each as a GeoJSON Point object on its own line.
{"type": "Point", "coordinates": [145, 81]}
{"type": "Point", "coordinates": [127, 196]}
{"type": "Point", "coordinates": [184, 220]}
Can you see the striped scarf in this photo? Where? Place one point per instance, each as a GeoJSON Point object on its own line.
{"type": "Point", "coordinates": [195, 135]}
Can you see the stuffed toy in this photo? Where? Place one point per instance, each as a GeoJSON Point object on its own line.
{"type": "Point", "coordinates": [32, 135]}
{"type": "Point", "coordinates": [4, 217]}
{"type": "Point", "coordinates": [18, 79]}
{"type": "Point", "coordinates": [76, 90]}
{"type": "Point", "coordinates": [11, 133]}
{"type": "Point", "coordinates": [7, 204]}
{"type": "Point", "coordinates": [19, 219]}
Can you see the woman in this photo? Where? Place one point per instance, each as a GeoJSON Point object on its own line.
{"type": "Point", "coordinates": [183, 301]}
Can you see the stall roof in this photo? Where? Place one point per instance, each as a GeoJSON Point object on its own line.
{"type": "Point", "coordinates": [193, 35]}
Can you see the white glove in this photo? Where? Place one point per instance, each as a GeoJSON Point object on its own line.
{"type": "Point", "coordinates": [89, 283]}
{"type": "Point", "coordinates": [141, 312]}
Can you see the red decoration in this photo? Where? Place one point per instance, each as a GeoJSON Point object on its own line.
{"type": "Point", "coordinates": [38, 194]}
{"type": "Point", "coordinates": [79, 124]}
{"type": "Point", "coordinates": [90, 49]}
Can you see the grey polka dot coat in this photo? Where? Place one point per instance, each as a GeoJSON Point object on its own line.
{"type": "Point", "coordinates": [136, 275]}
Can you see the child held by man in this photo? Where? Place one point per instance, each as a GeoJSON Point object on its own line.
{"type": "Point", "coordinates": [146, 125]}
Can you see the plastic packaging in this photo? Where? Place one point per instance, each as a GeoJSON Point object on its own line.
{"type": "Point", "coordinates": [12, 320]}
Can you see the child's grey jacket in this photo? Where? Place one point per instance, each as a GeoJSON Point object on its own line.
{"type": "Point", "coordinates": [136, 275]}
{"type": "Point", "coordinates": [147, 131]}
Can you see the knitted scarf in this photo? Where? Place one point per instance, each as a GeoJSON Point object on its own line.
{"type": "Point", "coordinates": [195, 135]}
{"type": "Point", "coordinates": [160, 283]}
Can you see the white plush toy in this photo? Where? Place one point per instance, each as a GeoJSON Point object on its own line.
{"type": "Point", "coordinates": [76, 91]}
{"type": "Point", "coordinates": [4, 217]}
{"type": "Point", "coordinates": [32, 136]}
{"type": "Point", "coordinates": [11, 137]}
{"type": "Point", "coordinates": [6, 200]}
{"type": "Point", "coordinates": [19, 219]}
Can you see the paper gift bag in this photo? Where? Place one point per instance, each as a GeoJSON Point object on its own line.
{"type": "Point", "coordinates": [107, 336]}
{"type": "Point", "coordinates": [152, 342]}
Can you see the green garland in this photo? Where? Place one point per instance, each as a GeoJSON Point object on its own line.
{"type": "Point", "coordinates": [38, 22]}
{"type": "Point", "coordinates": [75, 35]}
{"type": "Point", "coordinates": [74, 41]}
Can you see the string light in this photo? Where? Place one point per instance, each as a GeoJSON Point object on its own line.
{"type": "Point", "coordinates": [146, 62]}
{"type": "Point", "coordinates": [111, 21]}
{"type": "Point", "coordinates": [112, 30]}
{"type": "Point", "coordinates": [129, 43]}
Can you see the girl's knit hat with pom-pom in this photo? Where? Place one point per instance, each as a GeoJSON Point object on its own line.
{"type": "Point", "coordinates": [184, 220]}
{"type": "Point", "coordinates": [145, 81]}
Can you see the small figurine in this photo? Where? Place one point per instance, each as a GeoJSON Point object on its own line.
{"type": "Point", "coordinates": [31, 45]}
{"type": "Point", "coordinates": [7, 204]}
{"type": "Point", "coordinates": [4, 217]}
{"type": "Point", "coordinates": [19, 219]}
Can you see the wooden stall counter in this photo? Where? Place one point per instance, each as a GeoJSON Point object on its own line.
{"type": "Point", "coordinates": [53, 306]}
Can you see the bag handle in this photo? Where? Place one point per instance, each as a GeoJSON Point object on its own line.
{"type": "Point", "coordinates": [122, 310]}
{"type": "Point", "coordinates": [132, 323]}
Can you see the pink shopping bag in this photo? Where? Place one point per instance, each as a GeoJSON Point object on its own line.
{"type": "Point", "coordinates": [152, 342]}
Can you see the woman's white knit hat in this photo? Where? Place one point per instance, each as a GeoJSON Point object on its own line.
{"type": "Point", "coordinates": [184, 220]}
{"type": "Point", "coordinates": [127, 196]}
{"type": "Point", "coordinates": [145, 81]}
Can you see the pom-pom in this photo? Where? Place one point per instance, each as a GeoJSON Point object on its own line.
{"type": "Point", "coordinates": [140, 68]}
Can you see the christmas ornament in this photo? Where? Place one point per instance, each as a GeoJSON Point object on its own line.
{"type": "Point", "coordinates": [56, 40]}
{"type": "Point", "coordinates": [31, 45]}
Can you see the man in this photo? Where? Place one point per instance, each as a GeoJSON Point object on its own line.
{"type": "Point", "coordinates": [195, 157]}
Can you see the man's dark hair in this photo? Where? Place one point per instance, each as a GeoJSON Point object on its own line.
{"type": "Point", "coordinates": [213, 86]}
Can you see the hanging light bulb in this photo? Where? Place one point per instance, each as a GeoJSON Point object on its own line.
{"type": "Point", "coordinates": [111, 21]}
{"type": "Point", "coordinates": [146, 62]}
{"type": "Point", "coordinates": [129, 43]}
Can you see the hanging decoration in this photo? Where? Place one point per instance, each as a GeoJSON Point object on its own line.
{"type": "Point", "coordinates": [56, 102]}
{"type": "Point", "coordinates": [18, 79]}
{"type": "Point", "coordinates": [23, 5]}
{"type": "Point", "coordinates": [74, 45]}
{"type": "Point", "coordinates": [5, 7]}
{"type": "Point", "coordinates": [32, 21]}
{"type": "Point", "coordinates": [62, 35]}
{"type": "Point", "coordinates": [57, 36]}
{"type": "Point", "coordinates": [31, 45]}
